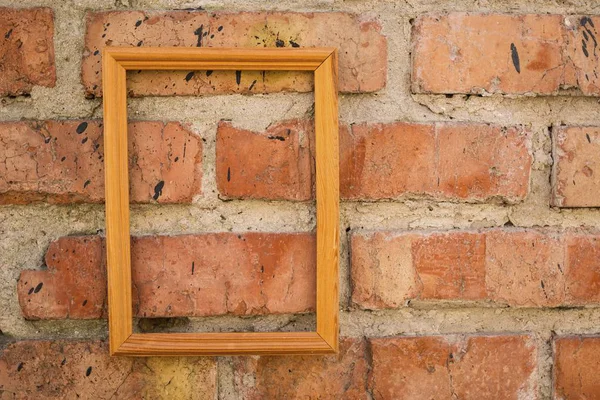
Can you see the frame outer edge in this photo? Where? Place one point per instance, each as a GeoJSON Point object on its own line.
{"type": "Point", "coordinates": [117, 211]}
{"type": "Point", "coordinates": [327, 186]}
{"type": "Point", "coordinates": [118, 258]}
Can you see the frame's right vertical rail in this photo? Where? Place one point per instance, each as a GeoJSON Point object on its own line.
{"type": "Point", "coordinates": [117, 201]}
{"type": "Point", "coordinates": [327, 160]}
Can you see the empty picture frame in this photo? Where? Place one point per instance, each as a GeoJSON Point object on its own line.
{"type": "Point", "coordinates": [115, 63]}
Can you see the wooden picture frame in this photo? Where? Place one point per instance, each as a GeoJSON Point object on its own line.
{"type": "Point", "coordinates": [115, 63]}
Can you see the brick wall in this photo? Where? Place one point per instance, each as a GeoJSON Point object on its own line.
{"type": "Point", "coordinates": [469, 147]}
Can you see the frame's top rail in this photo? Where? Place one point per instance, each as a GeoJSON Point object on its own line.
{"type": "Point", "coordinates": [234, 58]}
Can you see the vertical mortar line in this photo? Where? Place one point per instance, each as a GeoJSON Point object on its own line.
{"type": "Point", "coordinates": [552, 134]}
{"type": "Point", "coordinates": [226, 389]}
{"type": "Point", "coordinates": [208, 135]}
{"type": "Point", "coordinates": [345, 261]}
{"type": "Point", "coordinates": [545, 357]}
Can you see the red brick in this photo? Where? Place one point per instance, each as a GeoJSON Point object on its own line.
{"type": "Point", "coordinates": [437, 367]}
{"type": "Point", "coordinates": [379, 161]}
{"type": "Point", "coordinates": [450, 265]}
{"type": "Point", "coordinates": [308, 377]}
{"type": "Point", "coordinates": [383, 274]}
{"type": "Point", "coordinates": [175, 276]}
{"type": "Point", "coordinates": [62, 162]}
{"type": "Point", "coordinates": [576, 153]}
{"type": "Point", "coordinates": [581, 53]}
{"type": "Point", "coordinates": [576, 365]}
{"type": "Point", "coordinates": [388, 268]}
{"type": "Point", "coordinates": [582, 272]}
{"type": "Point", "coordinates": [70, 369]}
{"type": "Point", "coordinates": [74, 284]}
{"type": "Point", "coordinates": [446, 161]}
{"type": "Point", "coordinates": [479, 161]}
{"type": "Point", "coordinates": [384, 161]}
{"type": "Point", "coordinates": [523, 268]}
{"type": "Point", "coordinates": [519, 268]}
{"type": "Point", "coordinates": [26, 50]}
{"type": "Point", "coordinates": [504, 53]}
{"type": "Point", "coordinates": [275, 164]}
{"type": "Point", "coordinates": [362, 48]}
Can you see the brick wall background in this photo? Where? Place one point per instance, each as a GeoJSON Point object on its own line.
{"type": "Point", "coordinates": [470, 156]}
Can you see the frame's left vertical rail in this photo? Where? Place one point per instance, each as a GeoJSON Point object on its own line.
{"type": "Point", "coordinates": [117, 201]}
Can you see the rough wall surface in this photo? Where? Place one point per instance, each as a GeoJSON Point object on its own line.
{"type": "Point", "coordinates": [470, 257]}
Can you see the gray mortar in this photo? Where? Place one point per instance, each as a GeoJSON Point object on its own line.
{"type": "Point", "coordinates": [26, 231]}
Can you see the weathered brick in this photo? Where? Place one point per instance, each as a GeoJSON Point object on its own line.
{"type": "Point", "coordinates": [72, 369]}
{"type": "Point", "coordinates": [383, 161]}
{"type": "Point", "coordinates": [62, 162]}
{"type": "Point", "coordinates": [275, 164]}
{"type": "Point", "coordinates": [72, 286]}
{"type": "Point", "coordinates": [576, 365]}
{"type": "Point", "coordinates": [389, 268]}
{"type": "Point", "coordinates": [362, 48]}
{"type": "Point", "coordinates": [576, 153]}
{"type": "Point", "coordinates": [504, 53]}
{"type": "Point", "coordinates": [450, 265]}
{"type": "Point", "coordinates": [26, 50]}
{"type": "Point", "coordinates": [383, 274]}
{"type": "Point", "coordinates": [472, 162]}
{"type": "Point", "coordinates": [479, 161]}
{"type": "Point", "coordinates": [175, 276]}
{"type": "Point", "coordinates": [438, 367]}
{"type": "Point", "coordinates": [523, 268]}
{"type": "Point", "coordinates": [343, 375]}
{"type": "Point", "coordinates": [582, 272]}
{"type": "Point", "coordinates": [520, 268]}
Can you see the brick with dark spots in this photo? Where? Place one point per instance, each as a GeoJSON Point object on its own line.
{"type": "Point", "coordinates": [44, 373]}
{"type": "Point", "coordinates": [362, 48]}
{"type": "Point", "coordinates": [576, 167]}
{"type": "Point", "coordinates": [27, 50]}
{"type": "Point", "coordinates": [56, 169]}
{"type": "Point", "coordinates": [75, 279]}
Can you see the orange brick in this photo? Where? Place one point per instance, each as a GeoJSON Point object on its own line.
{"type": "Point", "coordinates": [504, 53]}
{"type": "Point", "coordinates": [471, 162]}
{"type": "Point", "coordinates": [519, 268]}
{"type": "Point", "coordinates": [362, 49]}
{"type": "Point", "coordinates": [275, 164]}
{"type": "Point", "coordinates": [383, 161]}
{"type": "Point", "coordinates": [582, 272]}
{"type": "Point", "coordinates": [383, 275]}
{"type": "Point", "coordinates": [77, 369]}
{"type": "Point", "coordinates": [451, 265]}
{"type": "Point", "coordinates": [576, 365]}
{"type": "Point", "coordinates": [26, 49]}
{"type": "Point", "coordinates": [438, 367]}
{"type": "Point", "coordinates": [63, 162]}
{"type": "Point", "coordinates": [479, 161]}
{"type": "Point", "coordinates": [495, 53]}
{"type": "Point", "coordinates": [523, 268]}
{"type": "Point", "coordinates": [446, 161]}
{"type": "Point", "coordinates": [576, 168]}
{"type": "Point", "coordinates": [175, 276]}
{"type": "Point", "coordinates": [337, 376]}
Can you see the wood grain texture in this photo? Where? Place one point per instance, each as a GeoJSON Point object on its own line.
{"type": "Point", "coordinates": [327, 185]}
{"type": "Point", "coordinates": [117, 202]}
{"type": "Point", "coordinates": [122, 339]}
{"type": "Point", "coordinates": [206, 58]}
{"type": "Point", "coordinates": [211, 344]}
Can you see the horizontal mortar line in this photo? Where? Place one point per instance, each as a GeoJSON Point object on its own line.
{"type": "Point", "coordinates": [405, 322]}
